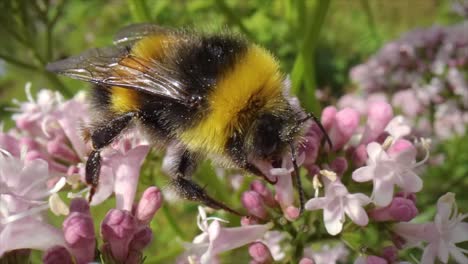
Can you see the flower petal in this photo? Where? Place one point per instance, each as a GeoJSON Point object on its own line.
{"type": "Point", "coordinates": [17, 235]}
{"type": "Point", "coordinates": [316, 203]}
{"type": "Point", "coordinates": [127, 172]}
{"type": "Point", "coordinates": [333, 216]}
{"type": "Point", "coordinates": [364, 174]}
{"type": "Point", "coordinates": [382, 193]}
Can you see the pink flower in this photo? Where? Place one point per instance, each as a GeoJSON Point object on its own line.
{"type": "Point", "coordinates": [150, 202]}
{"type": "Point", "coordinates": [378, 116]}
{"type": "Point", "coordinates": [442, 235]}
{"type": "Point", "coordinates": [78, 230]}
{"type": "Point", "coordinates": [253, 202]}
{"type": "Point", "coordinates": [260, 253]}
{"type": "Point", "coordinates": [264, 192]}
{"type": "Point", "coordinates": [340, 125]}
{"type": "Point", "coordinates": [400, 209]}
{"type": "Point", "coordinates": [117, 229]}
{"type": "Point", "coordinates": [336, 203]}
{"type": "Point", "coordinates": [216, 239]}
{"type": "Point", "coordinates": [386, 171]}
{"type": "Point", "coordinates": [57, 255]}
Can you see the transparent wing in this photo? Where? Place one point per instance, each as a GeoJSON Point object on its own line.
{"type": "Point", "coordinates": [115, 66]}
{"type": "Point", "coordinates": [135, 32]}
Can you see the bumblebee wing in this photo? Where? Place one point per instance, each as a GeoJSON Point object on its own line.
{"type": "Point", "coordinates": [115, 66]}
{"type": "Point", "coordinates": [136, 32]}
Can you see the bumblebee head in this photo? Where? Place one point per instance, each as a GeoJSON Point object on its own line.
{"type": "Point", "coordinates": [272, 135]}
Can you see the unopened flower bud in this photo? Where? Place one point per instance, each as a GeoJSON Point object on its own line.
{"type": "Point", "coordinates": [292, 213]}
{"type": "Point", "coordinates": [400, 209]}
{"type": "Point", "coordinates": [57, 255]}
{"type": "Point", "coordinates": [117, 230]}
{"type": "Point", "coordinates": [150, 202]}
{"type": "Point", "coordinates": [260, 253]}
{"type": "Point", "coordinates": [264, 192]}
{"type": "Point", "coordinates": [306, 261]}
{"type": "Point", "coordinates": [339, 165]}
{"type": "Point", "coordinates": [390, 253]}
{"type": "Point", "coordinates": [248, 220]}
{"type": "Point", "coordinates": [253, 202]}
{"type": "Point", "coordinates": [79, 205]}
{"type": "Point", "coordinates": [379, 114]}
{"type": "Point", "coordinates": [346, 122]}
{"type": "Point", "coordinates": [141, 239]}
{"type": "Point", "coordinates": [328, 116]}
{"type": "Point", "coordinates": [359, 155]}
{"type": "Point", "coordinates": [79, 235]}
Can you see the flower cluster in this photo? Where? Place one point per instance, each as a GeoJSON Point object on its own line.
{"type": "Point", "coordinates": [423, 74]}
{"type": "Point", "coordinates": [45, 154]}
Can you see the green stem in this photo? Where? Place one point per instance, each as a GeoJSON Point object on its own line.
{"type": "Point", "coordinates": [173, 222]}
{"type": "Point", "coordinates": [139, 10]}
{"type": "Point", "coordinates": [233, 18]}
{"type": "Point", "coordinates": [371, 21]}
{"type": "Point", "coordinates": [304, 67]}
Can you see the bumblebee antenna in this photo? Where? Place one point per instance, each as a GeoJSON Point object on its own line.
{"type": "Point", "coordinates": [319, 124]}
{"type": "Point", "coordinates": [298, 177]}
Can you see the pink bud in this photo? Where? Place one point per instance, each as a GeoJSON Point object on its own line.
{"type": "Point", "coordinates": [359, 155]}
{"type": "Point", "coordinates": [339, 165]}
{"type": "Point", "coordinates": [57, 255]}
{"type": "Point", "coordinates": [264, 192]}
{"type": "Point", "coordinates": [411, 196]}
{"type": "Point", "coordinates": [346, 122]}
{"type": "Point", "coordinates": [390, 253]}
{"type": "Point", "coordinates": [375, 260]}
{"type": "Point", "coordinates": [328, 116]}
{"type": "Point", "coordinates": [399, 146]}
{"type": "Point", "coordinates": [292, 213]}
{"type": "Point", "coordinates": [58, 149]}
{"type": "Point", "coordinates": [310, 148]}
{"type": "Point", "coordinates": [117, 230]}
{"type": "Point", "coordinates": [141, 239]}
{"type": "Point", "coordinates": [249, 220]}
{"type": "Point", "coordinates": [260, 253]}
{"type": "Point", "coordinates": [79, 205]}
{"type": "Point", "coordinates": [150, 202]}
{"type": "Point", "coordinates": [79, 235]}
{"type": "Point", "coordinates": [379, 114]}
{"type": "Point", "coordinates": [306, 261]}
{"type": "Point", "coordinates": [400, 209]}
{"type": "Point", "coordinates": [253, 202]}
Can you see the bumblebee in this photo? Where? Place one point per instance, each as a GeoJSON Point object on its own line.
{"type": "Point", "coordinates": [212, 96]}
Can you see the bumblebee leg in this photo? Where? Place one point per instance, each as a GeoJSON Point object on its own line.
{"type": "Point", "coordinates": [101, 137]}
{"type": "Point", "coordinates": [184, 164]}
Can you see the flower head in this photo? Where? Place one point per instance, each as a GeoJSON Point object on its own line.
{"type": "Point", "coordinates": [336, 203]}
{"type": "Point", "coordinates": [442, 235]}
{"type": "Point", "coordinates": [387, 170]}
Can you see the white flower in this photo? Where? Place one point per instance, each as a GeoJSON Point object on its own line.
{"type": "Point", "coordinates": [386, 171]}
{"type": "Point", "coordinates": [216, 239]}
{"type": "Point", "coordinates": [338, 202]}
{"type": "Point", "coordinates": [442, 235]}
